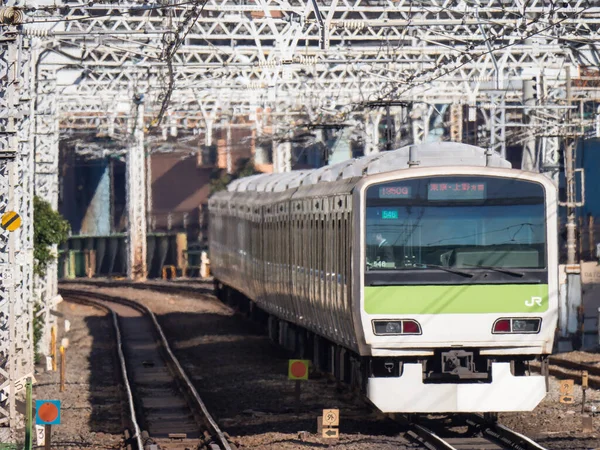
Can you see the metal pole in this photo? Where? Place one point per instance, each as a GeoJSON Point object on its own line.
{"type": "Point", "coordinates": [570, 181]}
{"type": "Point", "coordinates": [388, 128]}
{"type": "Point", "coordinates": [149, 189]}
{"type": "Point", "coordinates": [572, 334]}
{"type": "Point", "coordinates": [528, 159]}
{"type": "Point", "coordinates": [48, 437]}
{"type": "Point", "coordinates": [28, 416]}
{"type": "Point", "coordinates": [63, 368]}
{"type": "Point", "coordinates": [136, 195]}
{"type": "Point", "coordinates": [46, 137]}
{"type": "Point", "coordinates": [12, 370]}
{"type": "Point", "coordinates": [53, 347]}
{"type": "Point", "coordinates": [228, 147]}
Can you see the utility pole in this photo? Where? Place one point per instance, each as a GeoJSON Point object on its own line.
{"type": "Point", "coordinates": [528, 161]}
{"type": "Point", "coordinates": [570, 179]}
{"type": "Point", "coordinates": [136, 193]}
{"type": "Point", "coordinates": [571, 314]}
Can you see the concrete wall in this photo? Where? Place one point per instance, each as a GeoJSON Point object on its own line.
{"type": "Point", "coordinates": [178, 187]}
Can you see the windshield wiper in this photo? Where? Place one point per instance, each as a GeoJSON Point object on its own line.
{"type": "Point", "coordinates": [448, 269]}
{"type": "Point", "coordinates": [499, 269]}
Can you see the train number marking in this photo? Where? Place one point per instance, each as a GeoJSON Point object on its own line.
{"type": "Point", "coordinates": [533, 301]}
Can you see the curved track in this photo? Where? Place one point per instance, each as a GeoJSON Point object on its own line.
{"type": "Point", "coordinates": [161, 398]}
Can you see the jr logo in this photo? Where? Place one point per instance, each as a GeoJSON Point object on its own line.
{"type": "Point", "coordinates": [534, 301]}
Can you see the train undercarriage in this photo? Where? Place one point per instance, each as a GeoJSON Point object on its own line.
{"type": "Point", "coordinates": [370, 375]}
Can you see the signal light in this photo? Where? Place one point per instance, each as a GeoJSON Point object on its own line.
{"type": "Point", "coordinates": [517, 326]}
{"type": "Point", "coordinates": [396, 327]}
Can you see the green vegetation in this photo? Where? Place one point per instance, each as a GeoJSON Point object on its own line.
{"type": "Point", "coordinates": [38, 329]}
{"type": "Point", "coordinates": [219, 179]}
{"type": "Point", "coordinates": [49, 228]}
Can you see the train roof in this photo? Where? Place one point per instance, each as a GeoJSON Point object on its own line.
{"type": "Point", "coordinates": [432, 154]}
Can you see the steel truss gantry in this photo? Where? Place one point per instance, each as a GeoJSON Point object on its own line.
{"type": "Point", "coordinates": [16, 248]}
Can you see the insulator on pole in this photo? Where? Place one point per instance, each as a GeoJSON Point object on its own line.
{"type": "Point", "coordinates": [10, 15]}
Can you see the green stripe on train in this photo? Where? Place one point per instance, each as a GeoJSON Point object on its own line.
{"type": "Point", "coordinates": [457, 299]}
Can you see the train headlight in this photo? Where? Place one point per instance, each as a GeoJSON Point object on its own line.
{"type": "Point", "coordinates": [517, 326]}
{"type": "Point", "coordinates": [393, 327]}
{"type": "Point", "coordinates": [396, 327]}
{"type": "Point", "coordinates": [526, 325]}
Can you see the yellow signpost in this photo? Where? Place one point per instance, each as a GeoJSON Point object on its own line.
{"type": "Point", "coordinates": [11, 221]}
{"type": "Point", "coordinates": [331, 420]}
{"type": "Point", "coordinates": [331, 433]}
{"type": "Point", "coordinates": [566, 392]}
{"type": "Point", "coordinates": [331, 417]}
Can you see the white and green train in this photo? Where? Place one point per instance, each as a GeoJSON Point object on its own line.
{"type": "Point", "coordinates": [428, 276]}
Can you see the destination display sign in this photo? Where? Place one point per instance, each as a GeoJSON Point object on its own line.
{"type": "Point", "coordinates": [395, 192]}
{"type": "Point", "coordinates": [457, 191]}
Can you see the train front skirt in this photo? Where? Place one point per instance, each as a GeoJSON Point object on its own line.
{"type": "Point", "coordinates": [407, 393]}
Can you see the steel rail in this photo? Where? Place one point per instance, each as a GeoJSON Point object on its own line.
{"type": "Point", "coordinates": [574, 365]}
{"type": "Point", "coordinates": [183, 376]}
{"type": "Point", "coordinates": [428, 438]}
{"type": "Point", "coordinates": [132, 416]}
{"type": "Point", "coordinates": [503, 435]}
{"type": "Point", "coordinates": [161, 286]}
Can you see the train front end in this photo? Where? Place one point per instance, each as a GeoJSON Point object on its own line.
{"type": "Point", "coordinates": [457, 280]}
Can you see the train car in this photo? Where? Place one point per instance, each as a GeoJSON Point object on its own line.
{"type": "Point", "coordinates": [427, 275]}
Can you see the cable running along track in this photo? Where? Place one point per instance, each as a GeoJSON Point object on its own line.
{"type": "Point", "coordinates": [161, 398]}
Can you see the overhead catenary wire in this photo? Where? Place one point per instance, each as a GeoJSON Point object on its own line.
{"type": "Point", "coordinates": [415, 81]}
{"type": "Point", "coordinates": [104, 16]}
{"type": "Point", "coordinates": [394, 93]}
{"type": "Point", "coordinates": [172, 45]}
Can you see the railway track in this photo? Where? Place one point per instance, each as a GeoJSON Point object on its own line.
{"type": "Point", "coordinates": [478, 432]}
{"type": "Point", "coordinates": [164, 408]}
{"type": "Point", "coordinates": [564, 368]}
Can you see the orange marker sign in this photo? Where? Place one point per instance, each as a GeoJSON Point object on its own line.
{"type": "Point", "coordinates": [47, 412]}
{"type": "Point", "coordinates": [298, 369]}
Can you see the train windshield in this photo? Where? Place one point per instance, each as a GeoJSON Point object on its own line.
{"type": "Point", "coordinates": [460, 222]}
